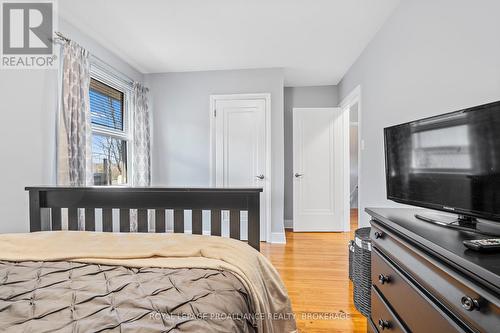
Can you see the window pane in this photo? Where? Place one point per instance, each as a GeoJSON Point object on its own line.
{"type": "Point", "coordinates": [109, 160]}
{"type": "Point", "coordinates": [106, 105]}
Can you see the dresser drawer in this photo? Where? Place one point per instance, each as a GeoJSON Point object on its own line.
{"type": "Point", "coordinates": [473, 306]}
{"type": "Point", "coordinates": [418, 312]}
{"type": "Point", "coordinates": [383, 317]}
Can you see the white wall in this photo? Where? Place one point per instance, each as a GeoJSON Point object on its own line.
{"type": "Point", "coordinates": [28, 102]}
{"type": "Point", "coordinates": [99, 50]}
{"type": "Point", "coordinates": [181, 127]}
{"type": "Point", "coordinates": [27, 140]}
{"type": "Point", "coordinates": [301, 97]}
{"type": "Point", "coordinates": [431, 57]}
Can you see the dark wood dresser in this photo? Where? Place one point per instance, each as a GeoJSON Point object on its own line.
{"type": "Point", "coordinates": [425, 280]}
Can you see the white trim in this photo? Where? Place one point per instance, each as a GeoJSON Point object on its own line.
{"type": "Point", "coordinates": [110, 71]}
{"type": "Point", "coordinates": [278, 238]}
{"type": "Point", "coordinates": [267, 98]}
{"type": "Point", "coordinates": [288, 223]}
{"type": "Point", "coordinates": [352, 98]}
{"type": "Point", "coordinates": [346, 204]}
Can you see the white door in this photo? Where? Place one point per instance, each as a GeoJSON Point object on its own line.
{"type": "Point", "coordinates": [319, 161]}
{"type": "Point", "coordinates": [240, 151]}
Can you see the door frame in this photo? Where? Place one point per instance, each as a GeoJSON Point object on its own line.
{"type": "Point", "coordinates": [352, 98]}
{"type": "Point", "coordinates": [266, 225]}
{"type": "Point", "coordinates": [344, 167]}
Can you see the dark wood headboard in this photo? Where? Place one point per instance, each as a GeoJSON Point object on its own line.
{"type": "Point", "coordinates": [144, 198]}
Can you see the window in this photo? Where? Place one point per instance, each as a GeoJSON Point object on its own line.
{"type": "Point", "coordinates": [110, 135]}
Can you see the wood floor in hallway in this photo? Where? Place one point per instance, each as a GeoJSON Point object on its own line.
{"type": "Point", "coordinates": [314, 268]}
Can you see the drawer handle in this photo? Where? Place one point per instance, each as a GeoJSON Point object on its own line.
{"type": "Point", "coordinates": [384, 324]}
{"type": "Point", "coordinates": [378, 234]}
{"type": "Point", "coordinates": [383, 279]}
{"type": "Point", "coordinates": [470, 304]}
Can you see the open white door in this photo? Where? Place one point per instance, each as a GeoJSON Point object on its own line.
{"type": "Point", "coordinates": [240, 156]}
{"type": "Point", "coordinates": [320, 161]}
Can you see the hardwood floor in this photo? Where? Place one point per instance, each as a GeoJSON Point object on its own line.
{"type": "Point", "coordinates": [314, 268]}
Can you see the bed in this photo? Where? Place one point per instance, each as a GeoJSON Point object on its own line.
{"type": "Point", "coordinates": [52, 280]}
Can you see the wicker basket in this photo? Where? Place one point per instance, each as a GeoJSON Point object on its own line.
{"type": "Point", "coordinates": [362, 271]}
{"type": "Point", "coordinates": [351, 257]}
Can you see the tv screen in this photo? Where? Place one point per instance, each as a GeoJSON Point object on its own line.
{"type": "Point", "coordinates": [449, 162]}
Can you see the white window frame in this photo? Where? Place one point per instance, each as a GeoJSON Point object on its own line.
{"type": "Point", "coordinates": [113, 79]}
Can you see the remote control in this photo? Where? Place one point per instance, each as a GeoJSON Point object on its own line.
{"type": "Point", "coordinates": [483, 245]}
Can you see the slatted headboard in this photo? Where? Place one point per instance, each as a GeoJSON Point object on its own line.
{"type": "Point", "coordinates": [143, 198]}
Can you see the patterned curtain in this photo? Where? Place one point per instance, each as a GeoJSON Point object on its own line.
{"type": "Point", "coordinates": [74, 130]}
{"type": "Point", "coordinates": [141, 162]}
{"type": "Point", "coordinates": [142, 158]}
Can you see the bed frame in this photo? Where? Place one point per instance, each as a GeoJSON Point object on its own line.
{"type": "Point", "coordinates": [143, 198]}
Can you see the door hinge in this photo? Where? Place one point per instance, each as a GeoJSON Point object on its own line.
{"type": "Point", "coordinates": [215, 113]}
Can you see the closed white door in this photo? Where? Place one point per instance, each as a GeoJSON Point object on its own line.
{"type": "Point", "coordinates": [240, 151]}
{"type": "Point", "coordinates": [319, 151]}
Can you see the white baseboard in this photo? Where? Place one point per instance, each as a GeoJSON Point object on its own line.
{"type": "Point", "coordinates": [288, 224]}
{"type": "Point", "coordinates": [278, 238]}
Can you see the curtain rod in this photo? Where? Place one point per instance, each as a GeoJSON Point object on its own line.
{"type": "Point", "coordinates": [62, 39]}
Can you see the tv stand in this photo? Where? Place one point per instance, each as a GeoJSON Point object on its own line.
{"type": "Point", "coordinates": [425, 280]}
{"type": "Point", "coordinates": [460, 222]}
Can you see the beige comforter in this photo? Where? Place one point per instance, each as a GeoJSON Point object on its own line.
{"type": "Point", "coordinates": [269, 298]}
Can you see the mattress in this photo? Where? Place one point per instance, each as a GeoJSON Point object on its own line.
{"type": "Point", "coordinates": [37, 296]}
{"type": "Point", "coordinates": [76, 281]}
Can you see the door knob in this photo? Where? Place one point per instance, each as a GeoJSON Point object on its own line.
{"type": "Point", "coordinates": [298, 175]}
{"type": "Point", "coordinates": [469, 304]}
{"type": "Point", "coordinates": [384, 324]}
{"type": "Point", "coordinates": [260, 177]}
{"type": "Point", "coordinates": [384, 279]}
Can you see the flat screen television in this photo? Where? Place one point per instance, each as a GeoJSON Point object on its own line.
{"type": "Point", "coordinates": [449, 162]}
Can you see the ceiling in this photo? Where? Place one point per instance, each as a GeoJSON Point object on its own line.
{"type": "Point", "coordinates": [315, 41]}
